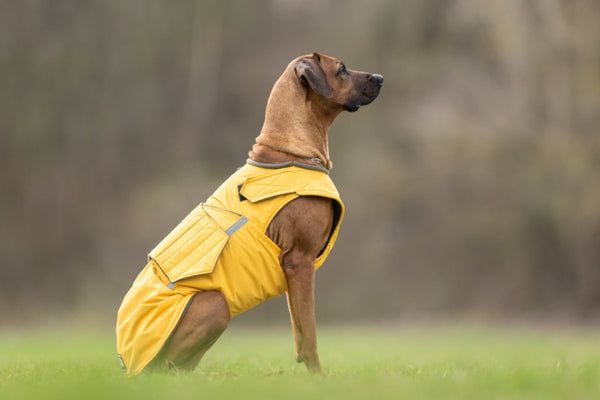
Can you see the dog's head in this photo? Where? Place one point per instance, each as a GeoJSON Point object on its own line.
{"type": "Point", "coordinates": [342, 87]}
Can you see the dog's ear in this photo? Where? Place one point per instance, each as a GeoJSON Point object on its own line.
{"type": "Point", "coordinates": [310, 72]}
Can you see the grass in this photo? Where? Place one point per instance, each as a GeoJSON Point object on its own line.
{"type": "Point", "coordinates": [360, 363]}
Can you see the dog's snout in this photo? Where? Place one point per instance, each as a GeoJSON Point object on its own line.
{"type": "Point", "coordinates": [376, 78]}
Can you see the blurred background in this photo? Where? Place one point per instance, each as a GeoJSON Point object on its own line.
{"type": "Point", "coordinates": [472, 184]}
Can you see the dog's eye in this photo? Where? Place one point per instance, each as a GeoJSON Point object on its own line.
{"type": "Point", "coordinates": [342, 70]}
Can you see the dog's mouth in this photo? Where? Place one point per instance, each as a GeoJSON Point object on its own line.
{"type": "Point", "coordinates": [351, 108]}
{"type": "Point", "coordinates": [366, 98]}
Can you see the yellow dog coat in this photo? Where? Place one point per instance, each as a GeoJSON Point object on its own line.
{"type": "Point", "coordinates": [221, 245]}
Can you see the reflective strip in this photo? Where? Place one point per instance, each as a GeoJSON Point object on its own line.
{"type": "Point", "coordinates": [123, 367]}
{"type": "Point", "coordinates": [171, 285]}
{"type": "Point", "coordinates": [233, 228]}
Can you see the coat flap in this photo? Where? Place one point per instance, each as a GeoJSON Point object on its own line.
{"type": "Point", "coordinates": [194, 246]}
{"type": "Point", "coordinates": [268, 185]}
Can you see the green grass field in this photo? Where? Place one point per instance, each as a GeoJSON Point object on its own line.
{"type": "Point", "coordinates": [360, 363]}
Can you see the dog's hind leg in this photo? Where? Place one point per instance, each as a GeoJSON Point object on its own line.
{"type": "Point", "coordinates": [202, 324]}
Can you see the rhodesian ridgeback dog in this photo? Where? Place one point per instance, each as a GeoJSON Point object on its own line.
{"type": "Point", "coordinates": [309, 95]}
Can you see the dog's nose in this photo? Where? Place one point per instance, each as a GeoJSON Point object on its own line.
{"type": "Point", "coordinates": [378, 79]}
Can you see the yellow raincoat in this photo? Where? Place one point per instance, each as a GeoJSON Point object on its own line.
{"type": "Point", "coordinates": [221, 245]}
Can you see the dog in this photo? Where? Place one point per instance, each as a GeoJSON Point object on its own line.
{"type": "Point", "coordinates": [263, 233]}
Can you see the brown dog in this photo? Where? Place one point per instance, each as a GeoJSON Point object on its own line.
{"type": "Point", "coordinates": [305, 100]}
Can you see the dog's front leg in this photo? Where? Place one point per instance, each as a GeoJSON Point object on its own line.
{"type": "Point", "coordinates": [301, 230]}
{"type": "Point", "coordinates": [300, 278]}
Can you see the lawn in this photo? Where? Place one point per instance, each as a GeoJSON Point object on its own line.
{"type": "Point", "coordinates": [360, 363]}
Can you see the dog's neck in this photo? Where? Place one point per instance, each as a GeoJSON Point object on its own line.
{"type": "Point", "coordinates": [289, 136]}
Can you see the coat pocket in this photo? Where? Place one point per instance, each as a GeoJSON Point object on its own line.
{"type": "Point", "coordinates": [194, 246]}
